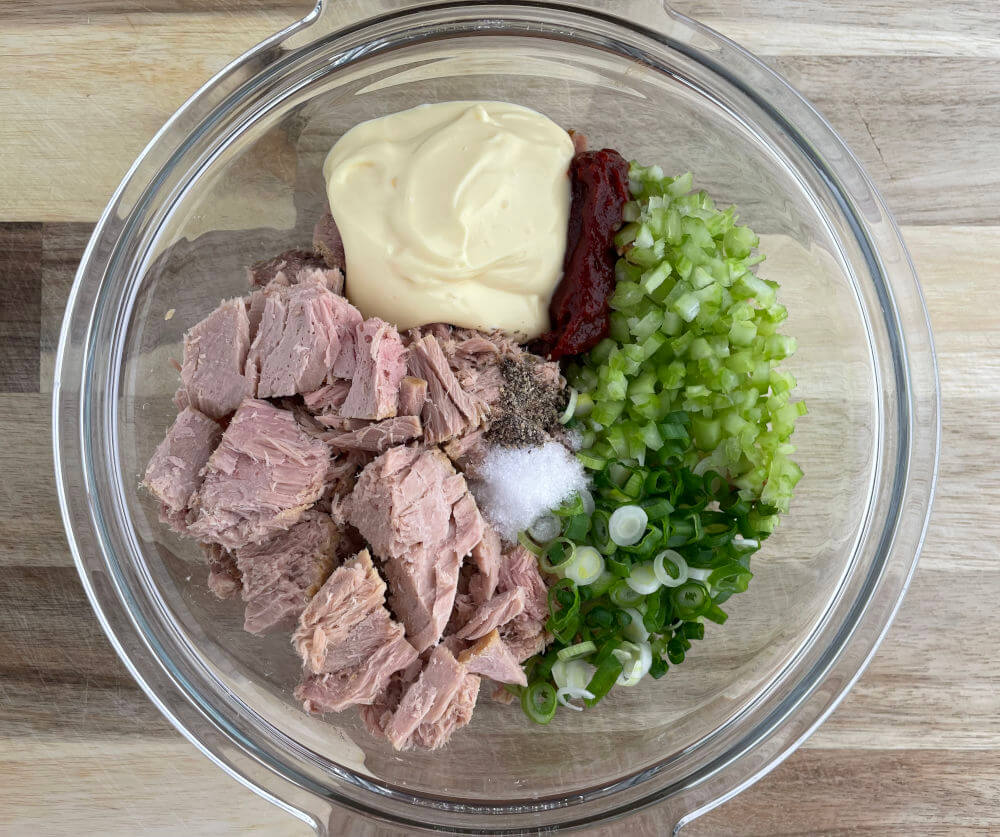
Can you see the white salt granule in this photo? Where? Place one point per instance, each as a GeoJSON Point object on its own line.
{"type": "Point", "coordinates": [517, 485]}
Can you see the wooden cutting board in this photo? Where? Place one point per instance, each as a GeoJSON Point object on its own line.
{"type": "Point", "coordinates": [914, 87]}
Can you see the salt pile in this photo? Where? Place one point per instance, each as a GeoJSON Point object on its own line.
{"type": "Point", "coordinates": [517, 485]}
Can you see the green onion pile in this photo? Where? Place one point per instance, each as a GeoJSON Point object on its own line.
{"type": "Point", "coordinates": [685, 420]}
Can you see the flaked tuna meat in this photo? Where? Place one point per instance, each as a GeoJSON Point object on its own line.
{"type": "Point", "coordinates": [377, 715]}
{"type": "Point", "coordinates": [349, 644]}
{"type": "Point", "coordinates": [426, 700]}
{"type": "Point", "coordinates": [264, 474]}
{"type": "Point", "coordinates": [328, 243]}
{"type": "Point", "coordinates": [339, 480]}
{"type": "Point", "coordinates": [490, 615]}
{"type": "Point", "coordinates": [486, 556]}
{"type": "Point", "coordinates": [174, 471]}
{"type": "Point", "coordinates": [524, 637]}
{"type": "Point", "coordinates": [461, 612]}
{"type": "Point", "coordinates": [421, 520]}
{"type": "Point", "coordinates": [519, 569]}
{"type": "Point", "coordinates": [224, 579]}
{"type": "Point", "coordinates": [450, 410]}
{"type": "Point", "coordinates": [294, 267]}
{"type": "Point", "coordinates": [380, 364]}
{"type": "Point", "coordinates": [468, 452]}
{"type": "Point", "coordinates": [432, 735]}
{"type": "Point", "coordinates": [328, 397]}
{"type": "Point", "coordinates": [340, 424]}
{"type": "Point", "coordinates": [491, 657]}
{"type": "Point", "coordinates": [215, 352]}
{"type": "Point", "coordinates": [377, 437]}
{"type": "Point", "coordinates": [579, 141]}
{"type": "Point", "coordinates": [299, 339]}
{"type": "Point", "coordinates": [281, 574]}
{"type": "Point", "coordinates": [412, 396]}
{"type": "Point", "coordinates": [283, 269]}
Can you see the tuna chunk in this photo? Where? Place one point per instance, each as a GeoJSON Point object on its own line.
{"type": "Point", "coordinates": [380, 363]}
{"type": "Point", "coordinates": [174, 472]}
{"type": "Point", "coordinates": [449, 410]}
{"type": "Point", "coordinates": [298, 340]}
{"type": "Point", "coordinates": [412, 395]}
{"type": "Point", "coordinates": [283, 573]}
{"type": "Point", "coordinates": [328, 243]}
{"type": "Point", "coordinates": [524, 637]}
{"type": "Point", "coordinates": [468, 452]}
{"type": "Point", "coordinates": [377, 715]}
{"type": "Point", "coordinates": [491, 657]}
{"type": "Point", "coordinates": [349, 644]}
{"type": "Point", "coordinates": [487, 558]}
{"type": "Point", "coordinates": [519, 569]}
{"type": "Point", "coordinates": [433, 735]}
{"type": "Point", "coordinates": [379, 436]}
{"type": "Point", "coordinates": [224, 578]}
{"type": "Point", "coordinates": [215, 351]}
{"type": "Point", "coordinates": [418, 515]}
{"type": "Point", "coordinates": [265, 472]}
{"type": "Point", "coordinates": [328, 397]}
{"type": "Point", "coordinates": [492, 614]}
{"type": "Point", "coordinates": [284, 269]}
{"type": "Point", "coordinates": [427, 700]}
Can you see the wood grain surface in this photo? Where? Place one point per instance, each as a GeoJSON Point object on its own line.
{"type": "Point", "coordinates": [914, 87]}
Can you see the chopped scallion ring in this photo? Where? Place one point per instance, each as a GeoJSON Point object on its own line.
{"type": "Point", "coordinates": [585, 567]}
{"type": "Point", "coordinates": [568, 693]}
{"type": "Point", "coordinates": [572, 652]}
{"type": "Point", "coordinates": [670, 568]}
{"type": "Point", "coordinates": [570, 407]}
{"type": "Point", "coordinates": [546, 529]}
{"type": "Point", "coordinates": [642, 579]}
{"type": "Point", "coordinates": [627, 525]}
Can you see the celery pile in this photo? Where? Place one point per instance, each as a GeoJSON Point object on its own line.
{"type": "Point", "coordinates": [685, 419]}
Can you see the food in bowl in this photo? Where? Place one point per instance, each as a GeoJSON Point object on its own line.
{"type": "Point", "coordinates": [551, 477]}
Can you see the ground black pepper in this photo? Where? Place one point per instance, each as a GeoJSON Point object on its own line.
{"type": "Point", "coordinates": [529, 409]}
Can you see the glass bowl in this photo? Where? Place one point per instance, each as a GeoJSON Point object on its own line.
{"type": "Point", "coordinates": [234, 176]}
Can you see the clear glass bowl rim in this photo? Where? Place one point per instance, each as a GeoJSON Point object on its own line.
{"type": "Point", "coordinates": [919, 419]}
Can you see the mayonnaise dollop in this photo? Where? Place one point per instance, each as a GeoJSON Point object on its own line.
{"type": "Point", "coordinates": [453, 212]}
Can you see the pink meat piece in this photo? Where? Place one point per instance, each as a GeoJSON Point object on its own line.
{"type": "Point", "coordinates": [336, 422]}
{"type": "Point", "coordinates": [461, 612]}
{"type": "Point", "coordinates": [285, 269]}
{"type": "Point", "coordinates": [377, 715]}
{"type": "Point", "coordinates": [501, 695]}
{"type": "Point", "coordinates": [380, 364]}
{"type": "Point", "coordinates": [519, 569]}
{"type": "Point", "coordinates": [298, 340]}
{"type": "Point", "coordinates": [468, 452]}
{"type": "Point", "coordinates": [174, 471]}
{"type": "Point", "coordinates": [432, 735]}
{"type": "Point", "coordinates": [328, 397]}
{"type": "Point", "coordinates": [524, 637]}
{"type": "Point", "coordinates": [224, 579]}
{"type": "Point", "coordinates": [421, 520]}
{"type": "Point", "coordinates": [492, 614]}
{"type": "Point", "coordinates": [280, 575]}
{"type": "Point", "coordinates": [412, 396]}
{"type": "Point", "coordinates": [327, 241]}
{"type": "Point", "coordinates": [449, 410]}
{"type": "Point", "coordinates": [579, 141]}
{"type": "Point", "coordinates": [349, 644]}
{"type": "Point", "coordinates": [486, 555]}
{"type": "Point", "coordinates": [215, 352]}
{"type": "Point", "coordinates": [379, 436]}
{"type": "Point", "coordinates": [339, 480]}
{"type": "Point", "coordinates": [427, 699]}
{"type": "Point", "coordinates": [265, 472]}
{"type": "Point", "coordinates": [491, 657]}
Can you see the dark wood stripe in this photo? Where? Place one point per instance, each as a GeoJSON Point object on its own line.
{"type": "Point", "coordinates": [20, 311]}
{"type": "Point", "coordinates": [62, 249]}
